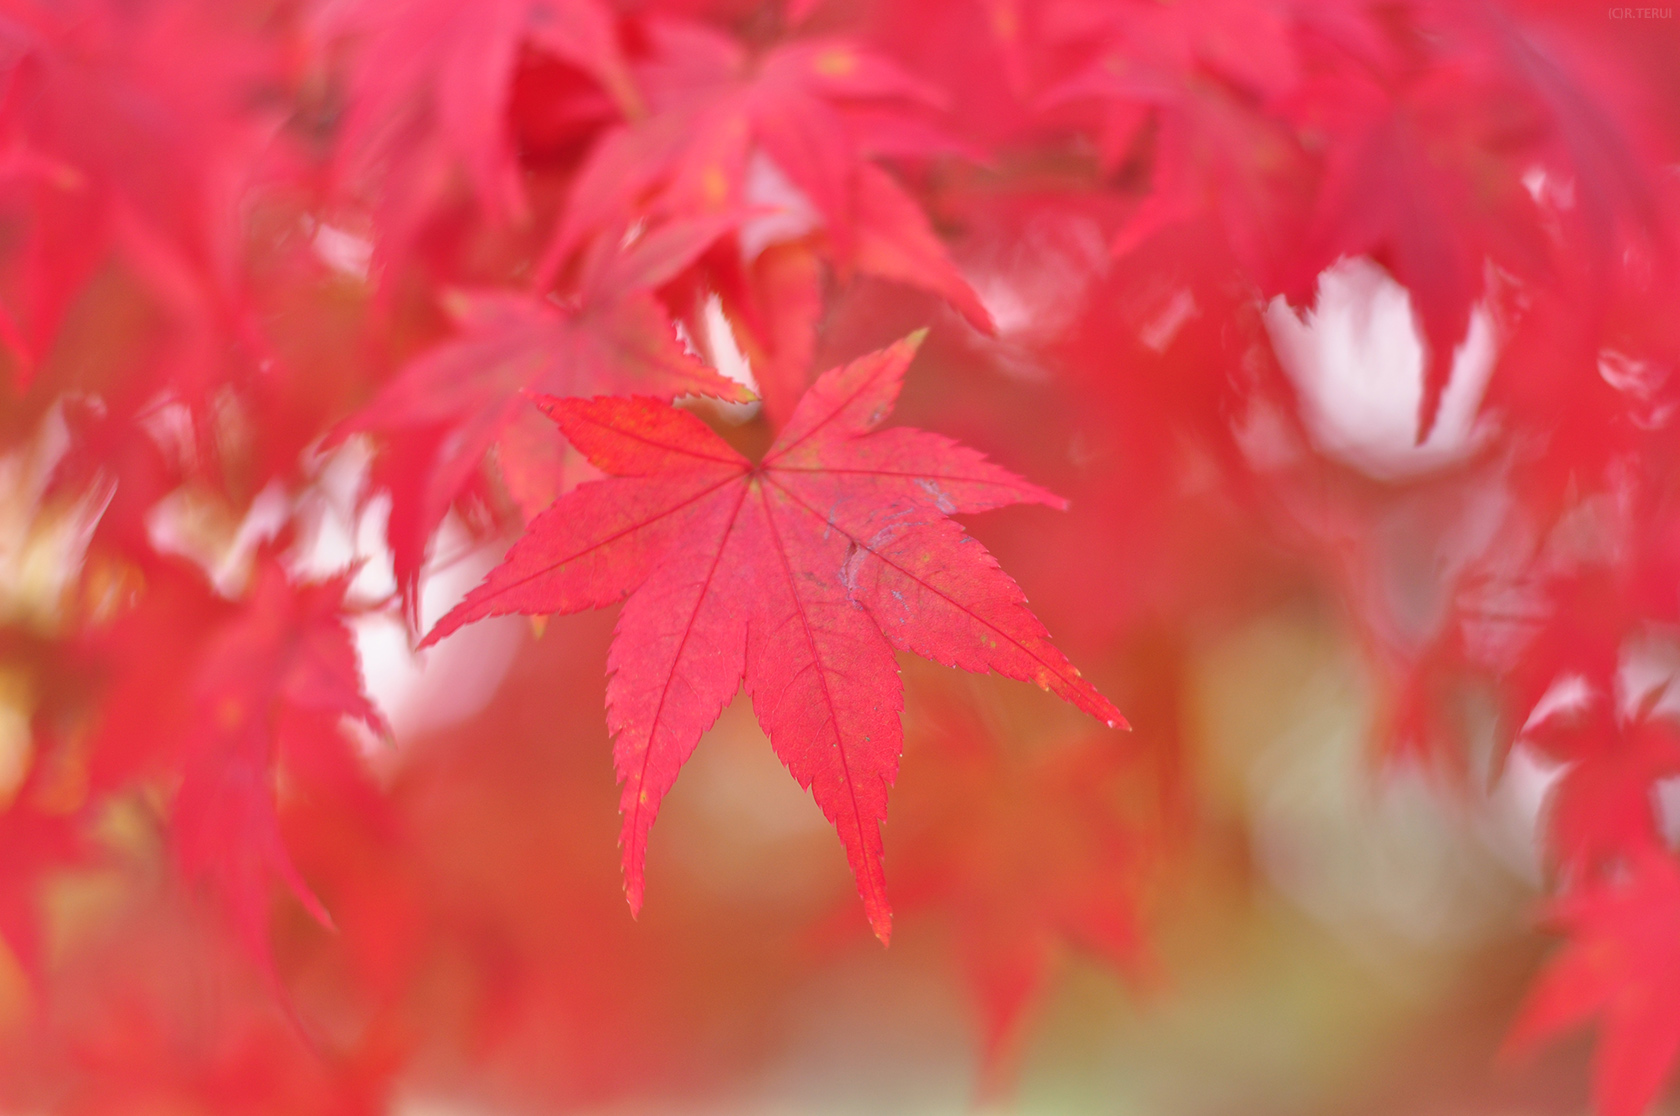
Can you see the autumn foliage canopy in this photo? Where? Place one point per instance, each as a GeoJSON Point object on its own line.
{"type": "Point", "coordinates": [416, 415]}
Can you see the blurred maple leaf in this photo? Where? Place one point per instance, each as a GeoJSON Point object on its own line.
{"type": "Point", "coordinates": [1028, 855]}
{"type": "Point", "coordinates": [1621, 965]}
{"type": "Point", "coordinates": [252, 687]}
{"type": "Point", "coordinates": [430, 89]}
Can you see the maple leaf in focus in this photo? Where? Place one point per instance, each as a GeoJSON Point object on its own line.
{"type": "Point", "coordinates": [446, 408]}
{"type": "Point", "coordinates": [1622, 965]}
{"type": "Point", "coordinates": [800, 573]}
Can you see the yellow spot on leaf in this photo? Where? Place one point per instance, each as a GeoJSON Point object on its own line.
{"type": "Point", "coordinates": [836, 63]}
{"type": "Point", "coordinates": [715, 183]}
{"type": "Point", "coordinates": [16, 741]}
{"type": "Point", "coordinates": [1005, 24]}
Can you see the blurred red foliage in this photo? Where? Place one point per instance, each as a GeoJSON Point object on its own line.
{"type": "Point", "coordinates": [273, 272]}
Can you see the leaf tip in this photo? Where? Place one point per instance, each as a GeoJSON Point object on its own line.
{"type": "Point", "coordinates": [549, 405]}
{"type": "Point", "coordinates": [915, 338]}
{"type": "Point", "coordinates": [456, 303]}
{"type": "Point", "coordinates": [311, 903]}
{"type": "Point", "coordinates": [448, 624]}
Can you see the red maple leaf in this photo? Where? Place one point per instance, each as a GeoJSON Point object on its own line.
{"type": "Point", "coordinates": [434, 81]}
{"type": "Point", "coordinates": [273, 682]}
{"type": "Point", "coordinates": [1151, 48]}
{"type": "Point", "coordinates": [110, 148]}
{"type": "Point", "coordinates": [1199, 87]}
{"type": "Point", "coordinates": [1603, 808]}
{"type": "Point", "coordinates": [123, 1038]}
{"type": "Point", "coordinates": [450, 405]}
{"type": "Point", "coordinates": [800, 573]}
{"type": "Point", "coordinates": [225, 694]}
{"type": "Point", "coordinates": [1432, 192]}
{"type": "Point", "coordinates": [1622, 964]}
{"type": "Point", "coordinates": [776, 302]}
{"type": "Point", "coordinates": [1029, 856]}
{"type": "Point", "coordinates": [812, 113]}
